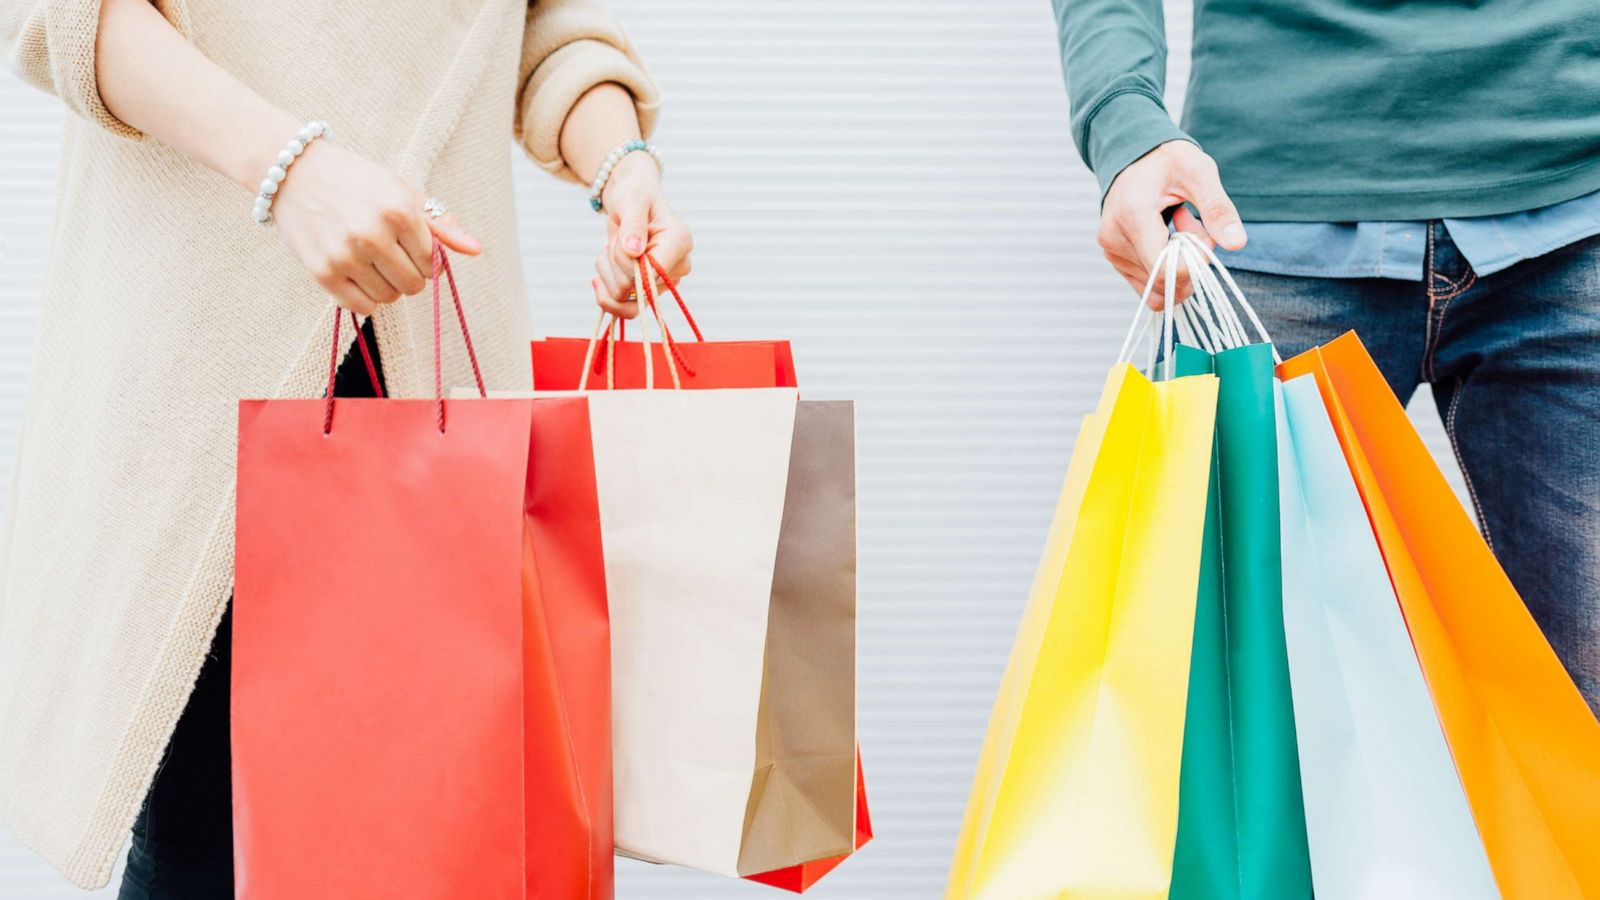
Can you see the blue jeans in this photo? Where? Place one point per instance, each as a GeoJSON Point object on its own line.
{"type": "Point", "coordinates": [1513, 359]}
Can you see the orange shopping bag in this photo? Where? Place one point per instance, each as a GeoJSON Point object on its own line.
{"type": "Point", "coordinates": [1524, 741]}
{"type": "Point", "coordinates": [421, 686]}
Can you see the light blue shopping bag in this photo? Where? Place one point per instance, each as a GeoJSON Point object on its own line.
{"type": "Point", "coordinates": [1385, 811]}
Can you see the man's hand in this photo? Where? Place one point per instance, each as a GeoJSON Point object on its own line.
{"type": "Point", "coordinates": [1132, 227]}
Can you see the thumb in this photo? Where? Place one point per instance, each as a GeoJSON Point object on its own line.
{"type": "Point", "coordinates": [452, 235]}
{"type": "Point", "coordinates": [633, 226]}
{"type": "Point", "coordinates": [1217, 212]}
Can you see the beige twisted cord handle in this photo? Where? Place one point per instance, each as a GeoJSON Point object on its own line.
{"type": "Point", "coordinates": [606, 326]}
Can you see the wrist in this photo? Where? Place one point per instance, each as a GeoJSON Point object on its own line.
{"type": "Point", "coordinates": [621, 166]}
{"type": "Point", "coordinates": [258, 151]}
{"type": "Point", "coordinates": [282, 162]}
{"type": "Point", "coordinates": [634, 172]}
{"type": "Point", "coordinates": [309, 177]}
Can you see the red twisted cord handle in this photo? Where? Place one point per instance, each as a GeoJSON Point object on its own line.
{"type": "Point", "coordinates": [608, 348]}
{"type": "Point", "coordinates": [672, 345]}
{"type": "Point", "coordinates": [666, 334]}
{"type": "Point", "coordinates": [333, 366]}
{"type": "Point", "coordinates": [441, 263]}
{"type": "Point", "coordinates": [672, 286]}
{"type": "Point", "coordinates": [441, 266]}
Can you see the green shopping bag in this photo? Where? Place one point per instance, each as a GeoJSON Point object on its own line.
{"type": "Point", "coordinates": [1241, 819]}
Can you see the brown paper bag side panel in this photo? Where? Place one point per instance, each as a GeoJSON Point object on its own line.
{"type": "Point", "coordinates": [802, 802]}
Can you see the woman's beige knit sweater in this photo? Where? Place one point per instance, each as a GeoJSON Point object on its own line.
{"type": "Point", "coordinates": [165, 305]}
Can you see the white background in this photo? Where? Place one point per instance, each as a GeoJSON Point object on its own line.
{"type": "Point", "coordinates": [891, 185]}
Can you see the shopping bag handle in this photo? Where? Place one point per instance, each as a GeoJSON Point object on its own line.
{"type": "Point", "coordinates": [661, 274]}
{"type": "Point", "coordinates": [1144, 316]}
{"type": "Point", "coordinates": [602, 359]}
{"type": "Point", "coordinates": [607, 325]}
{"type": "Point", "coordinates": [672, 286]}
{"type": "Point", "coordinates": [1204, 269]}
{"type": "Point", "coordinates": [441, 266]}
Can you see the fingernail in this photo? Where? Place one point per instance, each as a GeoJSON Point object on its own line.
{"type": "Point", "coordinates": [634, 244]}
{"type": "Point", "coordinates": [1234, 236]}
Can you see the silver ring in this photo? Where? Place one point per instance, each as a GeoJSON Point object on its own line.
{"type": "Point", "coordinates": [435, 208]}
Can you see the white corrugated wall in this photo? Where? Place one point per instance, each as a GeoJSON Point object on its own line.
{"type": "Point", "coordinates": [891, 185]}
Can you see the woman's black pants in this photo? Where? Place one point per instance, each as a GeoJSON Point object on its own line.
{"type": "Point", "coordinates": [183, 840]}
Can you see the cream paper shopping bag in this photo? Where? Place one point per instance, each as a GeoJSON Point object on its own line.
{"type": "Point", "coordinates": [713, 771]}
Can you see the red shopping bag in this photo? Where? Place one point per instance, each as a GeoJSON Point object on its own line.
{"type": "Point", "coordinates": [421, 652]}
{"type": "Point", "coordinates": [559, 363]}
{"type": "Point", "coordinates": [754, 364]}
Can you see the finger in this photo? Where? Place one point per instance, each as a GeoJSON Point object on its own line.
{"type": "Point", "coordinates": [1133, 257]}
{"type": "Point", "coordinates": [350, 296]}
{"type": "Point", "coordinates": [416, 239]}
{"type": "Point", "coordinates": [1133, 278]}
{"type": "Point", "coordinates": [1135, 236]}
{"type": "Point", "coordinates": [617, 283]}
{"type": "Point", "coordinates": [1158, 289]}
{"type": "Point", "coordinates": [1203, 187]}
{"type": "Point", "coordinates": [633, 231]}
{"type": "Point", "coordinates": [1185, 221]}
{"type": "Point", "coordinates": [374, 285]}
{"type": "Point", "coordinates": [671, 248]}
{"type": "Point", "coordinates": [1130, 269]}
{"type": "Point", "coordinates": [1138, 277]}
{"type": "Point", "coordinates": [1119, 251]}
{"type": "Point", "coordinates": [452, 235]}
{"type": "Point", "coordinates": [622, 309]}
{"type": "Point", "coordinates": [400, 271]}
{"type": "Point", "coordinates": [1149, 238]}
{"type": "Point", "coordinates": [1135, 273]}
{"type": "Point", "coordinates": [1185, 287]}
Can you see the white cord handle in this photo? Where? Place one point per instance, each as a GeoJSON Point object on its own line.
{"type": "Point", "coordinates": [1212, 312]}
{"type": "Point", "coordinates": [1204, 269]}
{"type": "Point", "coordinates": [1143, 313]}
{"type": "Point", "coordinates": [1174, 320]}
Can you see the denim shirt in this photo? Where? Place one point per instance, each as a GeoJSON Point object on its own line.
{"type": "Point", "coordinates": [1399, 249]}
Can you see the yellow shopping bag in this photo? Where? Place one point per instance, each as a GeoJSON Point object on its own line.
{"type": "Point", "coordinates": [1076, 793]}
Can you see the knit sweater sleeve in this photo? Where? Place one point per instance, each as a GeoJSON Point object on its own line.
{"type": "Point", "coordinates": [51, 45]}
{"type": "Point", "coordinates": [568, 47]}
{"type": "Point", "coordinates": [1114, 53]}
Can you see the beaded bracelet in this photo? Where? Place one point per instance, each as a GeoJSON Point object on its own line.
{"type": "Point", "coordinates": [286, 157]}
{"type": "Point", "coordinates": [614, 157]}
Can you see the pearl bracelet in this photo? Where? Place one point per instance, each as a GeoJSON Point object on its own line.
{"type": "Point", "coordinates": [614, 157]}
{"type": "Point", "coordinates": [286, 157]}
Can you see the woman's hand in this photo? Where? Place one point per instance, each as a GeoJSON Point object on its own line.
{"type": "Point", "coordinates": [1132, 227]}
{"type": "Point", "coordinates": [638, 220]}
{"type": "Point", "coordinates": [359, 228]}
